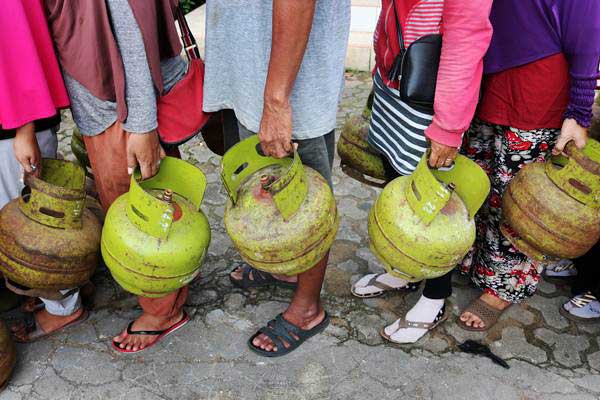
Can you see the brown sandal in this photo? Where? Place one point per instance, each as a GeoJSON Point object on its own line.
{"type": "Point", "coordinates": [35, 332]}
{"type": "Point", "coordinates": [485, 312]}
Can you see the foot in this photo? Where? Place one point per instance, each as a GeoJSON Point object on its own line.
{"type": "Point", "coordinates": [426, 311]}
{"type": "Point", "coordinates": [373, 285]}
{"type": "Point", "coordinates": [145, 322]}
{"type": "Point", "coordinates": [305, 320]}
{"type": "Point", "coordinates": [238, 274]}
{"type": "Point", "coordinates": [582, 308]}
{"type": "Point", "coordinates": [561, 269]}
{"type": "Point", "coordinates": [473, 320]}
{"type": "Point", "coordinates": [31, 304]}
{"type": "Point", "coordinates": [45, 321]}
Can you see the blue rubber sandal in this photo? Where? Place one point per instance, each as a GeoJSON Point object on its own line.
{"type": "Point", "coordinates": [279, 331]}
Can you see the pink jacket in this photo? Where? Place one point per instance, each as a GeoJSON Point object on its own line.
{"type": "Point", "coordinates": [31, 85]}
{"type": "Point", "coordinates": [467, 33]}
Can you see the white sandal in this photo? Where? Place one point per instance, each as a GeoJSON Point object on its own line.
{"type": "Point", "coordinates": [403, 323]}
{"type": "Point", "coordinates": [380, 287]}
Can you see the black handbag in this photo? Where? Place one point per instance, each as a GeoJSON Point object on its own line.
{"type": "Point", "coordinates": [417, 67]}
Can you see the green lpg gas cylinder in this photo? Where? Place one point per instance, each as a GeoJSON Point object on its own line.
{"type": "Point", "coordinates": [155, 237]}
{"type": "Point", "coordinates": [422, 225]}
{"type": "Point", "coordinates": [281, 215]}
{"type": "Point", "coordinates": [551, 210]}
{"type": "Point", "coordinates": [358, 159]}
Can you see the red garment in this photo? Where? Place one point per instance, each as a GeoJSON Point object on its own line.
{"type": "Point", "coordinates": [528, 97]}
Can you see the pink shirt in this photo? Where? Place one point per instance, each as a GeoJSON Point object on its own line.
{"type": "Point", "coordinates": [466, 33]}
{"type": "Point", "coordinates": [31, 85]}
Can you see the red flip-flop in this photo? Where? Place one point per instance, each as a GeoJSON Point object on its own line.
{"type": "Point", "coordinates": [160, 334]}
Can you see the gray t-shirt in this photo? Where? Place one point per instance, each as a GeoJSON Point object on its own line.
{"type": "Point", "coordinates": [238, 45]}
{"type": "Point", "coordinates": [92, 115]}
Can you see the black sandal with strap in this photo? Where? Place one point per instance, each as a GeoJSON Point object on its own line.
{"type": "Point", "coordinates": [259, 279]}
{"type": "Point", "coordinates": [281, 331]}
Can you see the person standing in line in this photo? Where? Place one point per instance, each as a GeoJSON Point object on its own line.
{"type": "Point", "coordinates": [31, 94]}
{"type": "Point", "coordinates": [538, 93]}
{"type": "Point", "coordinates": [402, 132]}
{"type": "Point", "coordinates": [127, 54]}
{"type": "Point", "coordinates": [279, 65]}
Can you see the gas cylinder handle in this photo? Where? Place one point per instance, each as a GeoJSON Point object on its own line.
{"type": "Point", "coordinates": [153, 215]}
{"type": "Point", "coordinates": [243, 160]}
{"type": "Point", "coordinates": [430, 189]}
{"type": "Point", "coordinates": [57, 198]}
{"type": "Point", "coordinates": [577, 173]}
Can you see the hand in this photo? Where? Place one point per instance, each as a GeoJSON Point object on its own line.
{"type": "Point", "coordinates": [275, 132]}
{"type": "Point", "coordinates": [144, 150]}
{"type": "Point", "coordinates": [570, 130]}
{"type": "Point", "coordinates": [441, 155]}
{"type": "Point", "coordinates": [27, 150]}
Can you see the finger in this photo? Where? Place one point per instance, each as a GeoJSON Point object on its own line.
{"type": "Point", "coordinates": [560, 144]}
{"type": "Point", "coordinates": [288, 147]}
{"type": "Point", "coordinates": [146, 169]}
{"type": "Point", "coordinates": [265, 148]}
{"type": "Point", "coordinates": [580, 141]}
{"type": "Point", "coordinates": [131, 163]}
{"type": "Point", "coordinates": [162, 153]}
{"type": "Point", "coordinates": [26, 163]}
{"type": "Point", "coordinates": [433, 159]}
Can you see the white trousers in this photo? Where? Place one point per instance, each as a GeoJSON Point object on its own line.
{"type": "Point", "coordinates": [11, 184]}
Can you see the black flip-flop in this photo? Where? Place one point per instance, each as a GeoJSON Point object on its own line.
{"type": "Point", "coordinates": [259, 279]}
{"type": "Point", "coordinates": [279, 331]}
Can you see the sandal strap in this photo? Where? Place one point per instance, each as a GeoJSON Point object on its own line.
{"type": "Point", "coordinates": [583, 300]}
{"type": "Point", "coordinates": [403, 323]}
{"type": "Point", "coordinates": [130, 331]}
{"type": "Point", "coordinates": [485, 312]}
{"type": "Point", "coordinates": [380, 285]}
{"type": "Point", "coordinates": [273, 336]}
{"type": "Point", "coordinates": [258, 277]}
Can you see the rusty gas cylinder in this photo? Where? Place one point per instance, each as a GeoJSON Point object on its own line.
{"type": "Point", "coordinates": [155, 236]}
{"type": "Point", "coordinates": [551, 210]}
{"type": "Point", "coordinates": [49, 240]}
{"type": "Point", "coordinates": [8, 356]}
{"type": "Point", "coordinates": [281, 215]}
{"type": "Point", "coordinates": [422, 225]}
{"type": "Point", "coordinates": [358, 158]}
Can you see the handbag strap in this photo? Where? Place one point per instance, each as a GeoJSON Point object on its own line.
{"type": "Point", "coordinates": [189, 42]}
{"type": "Point", "coordinates": [398, 28]}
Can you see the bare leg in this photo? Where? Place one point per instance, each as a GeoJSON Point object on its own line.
{"type": "Point", "coordinates": [305, 310]}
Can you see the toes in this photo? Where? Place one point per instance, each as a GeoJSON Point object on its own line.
{"type": "Point", "coordinates": [465, 316]}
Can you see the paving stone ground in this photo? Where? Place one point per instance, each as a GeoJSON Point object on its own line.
{"type": "Point", "coordinates": [550, 357]}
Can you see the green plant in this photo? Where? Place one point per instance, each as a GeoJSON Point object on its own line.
{"type": "Point", "coordinates": [189, 5]}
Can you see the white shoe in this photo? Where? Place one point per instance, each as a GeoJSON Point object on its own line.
{"type": "Point", "coordinates": [373, 285]}
{"type": "Point", "coordinates": [561, 269]}
{"type": "Point", "coordinates": [583, 308]}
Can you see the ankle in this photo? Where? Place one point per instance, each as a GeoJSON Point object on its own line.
{"type": "Point", "coordinates": [303, 315]}
{"type": "Point", "coordinates": [495, 301]}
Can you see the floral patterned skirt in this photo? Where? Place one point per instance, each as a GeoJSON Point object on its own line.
{"type": "Point", "coordinates": [494, 264]}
